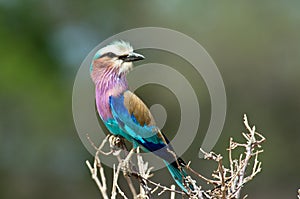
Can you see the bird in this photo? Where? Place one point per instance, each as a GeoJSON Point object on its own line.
{"type": "Point", "coordinates": [124, 113]}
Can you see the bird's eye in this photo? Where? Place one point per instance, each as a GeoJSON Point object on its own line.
{"type": "Point", "coordinates": [122, 57]}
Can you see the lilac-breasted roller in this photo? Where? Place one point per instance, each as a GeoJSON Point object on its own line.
{"type": "Point", "coordinates": [123, 113]}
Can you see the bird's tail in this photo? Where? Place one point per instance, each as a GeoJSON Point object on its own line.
{"type": "Point", "coordinates": [178, 175]}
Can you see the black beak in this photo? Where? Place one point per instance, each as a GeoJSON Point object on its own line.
{"type": "Point", "coordinates": [133, 57]}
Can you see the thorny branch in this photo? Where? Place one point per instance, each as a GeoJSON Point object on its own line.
{"type": "Point", "coordinates": [226, 182]}
{"type": "Point", "coordinates": [229, 181]}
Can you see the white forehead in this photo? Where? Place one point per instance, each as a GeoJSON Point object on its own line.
{"type": "Point", "coordinates": [116, 47]}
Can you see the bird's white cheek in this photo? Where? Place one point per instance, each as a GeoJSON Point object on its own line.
{"type": "Point", "coordinates": [125, 67]}
{"type": "Point", "coordinates": [118, 63]}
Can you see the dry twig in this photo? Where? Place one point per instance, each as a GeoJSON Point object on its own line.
{"type": "Point", "coordinates": [226, 181]}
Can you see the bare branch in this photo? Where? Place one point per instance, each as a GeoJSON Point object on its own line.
{"type": "Point", "coordinates": [94, 171]}
{"type": "Point", "coordinates": [172, 193]}
{"type": "Point", "coordinates": [226, 182]}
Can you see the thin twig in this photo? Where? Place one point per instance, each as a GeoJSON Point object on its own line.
{"type": "Point", "coordinates": [201, 176]}
{"type": "Point", "coordinates": [227, 181]}
{"type": "Point", "coordinates": [172, 193]}
{"type": "Point", "coordinates": [101, 186]}
{"type": "Point", "coordinates": [115, 181]}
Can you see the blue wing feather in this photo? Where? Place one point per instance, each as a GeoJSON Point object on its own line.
{"type": "Point", "coordinates": [147, 137]}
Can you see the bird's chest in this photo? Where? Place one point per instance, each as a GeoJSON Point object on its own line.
{"type": "Point", "coordinates": [102, 99]}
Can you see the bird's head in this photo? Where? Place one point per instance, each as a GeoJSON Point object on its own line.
{"type": "Point", "coordinates": [117, 57]}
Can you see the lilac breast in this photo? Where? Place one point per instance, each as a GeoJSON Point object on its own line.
{"type": "Point", "coordinates": [106, 87]}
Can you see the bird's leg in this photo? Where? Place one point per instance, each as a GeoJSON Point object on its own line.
{"type": "Point", "coordinates": [117, 144]}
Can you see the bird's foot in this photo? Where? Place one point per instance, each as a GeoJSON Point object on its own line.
{"type": "Point", "coordinates": [116, 144]}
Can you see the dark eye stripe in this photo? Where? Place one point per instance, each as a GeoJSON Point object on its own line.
{"type": "Point", "coordinates": [109, 54]}
{"type": "Point", "coordinates": [123, 57]}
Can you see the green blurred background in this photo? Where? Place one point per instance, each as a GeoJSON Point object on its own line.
{"type": "Point", "coordinates": [255, 44]}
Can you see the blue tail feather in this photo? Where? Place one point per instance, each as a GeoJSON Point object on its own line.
{"type": "Point", "coordinates": [178, 175]}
